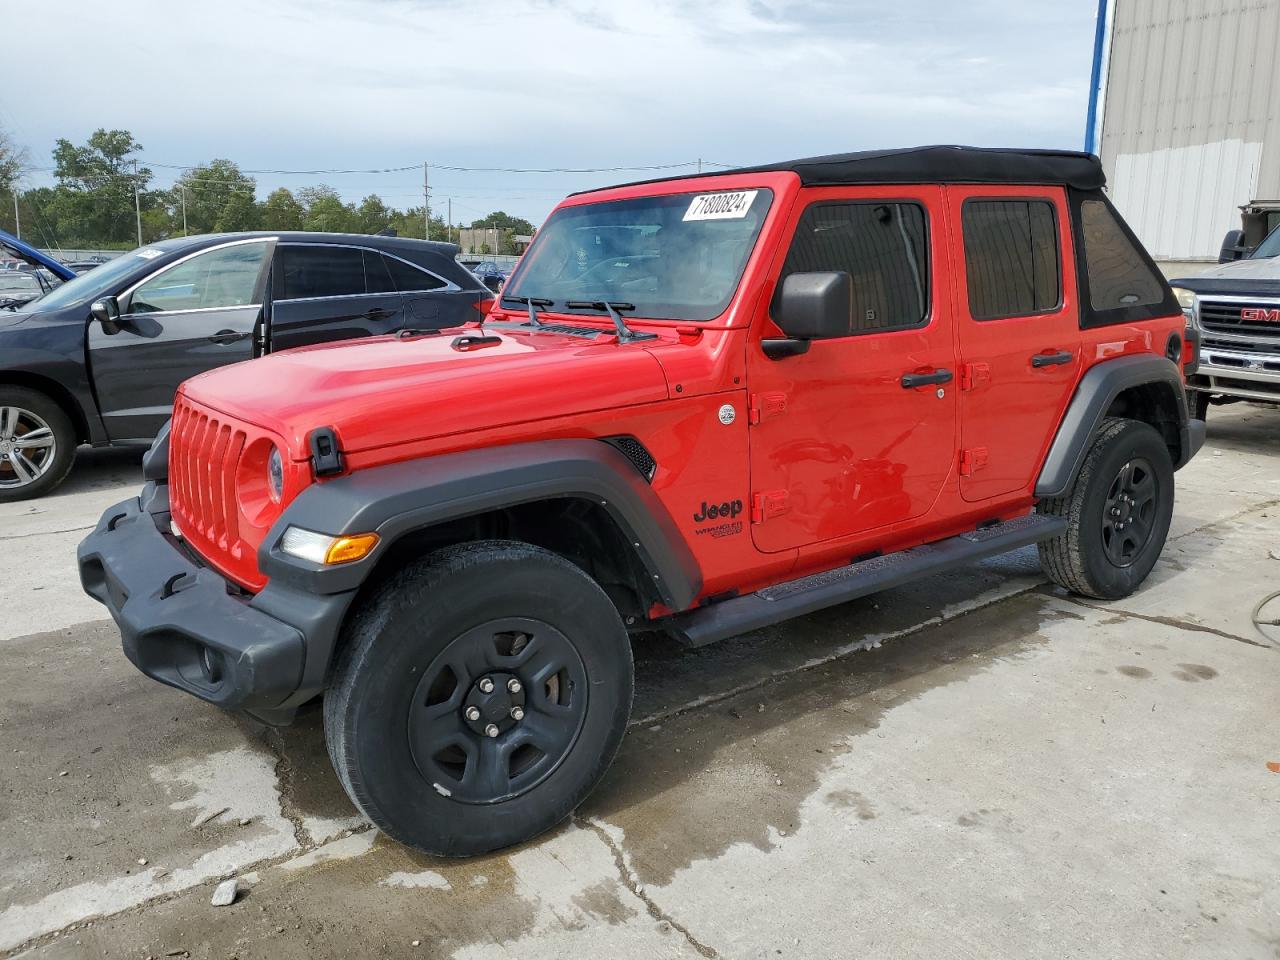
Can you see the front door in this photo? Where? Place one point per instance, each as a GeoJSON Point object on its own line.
{"type": "Point", "coordinates": [859, 432]}
{"type": "Point", "coordinates": [323, 292]}
{"type": "Point", "coordinates": [194, 315]}
{"type": "Point", "coordinates": [1019, 332]}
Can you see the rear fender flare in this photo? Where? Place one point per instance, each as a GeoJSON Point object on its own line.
{"type": "Point", "coordinates": [399, 498]}
{"type": "Point", "coordinates": [1097, 390]}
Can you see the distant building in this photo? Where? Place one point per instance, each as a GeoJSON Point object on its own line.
{"type": "Point", "coordinates": [491, 241]}
{"type": "Point", "coordinates": [1185, 122]}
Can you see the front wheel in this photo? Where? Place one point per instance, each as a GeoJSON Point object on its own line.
{"type": "Point", "coordinates": [1118, 513]}
{"type": "Point", "coordinates": [37, 444]}
{"type": "Point", "coordinates": [481, 694]}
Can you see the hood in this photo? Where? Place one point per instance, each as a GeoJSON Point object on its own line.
{"type": "Point", "coordinates": [24, 251]}
{"type": "Point", "coordinates": [389, 390]}
{"type": "Point", "coordinates": [1260, 277]}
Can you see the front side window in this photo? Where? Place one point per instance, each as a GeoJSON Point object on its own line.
{"type": "Point", "coordinates": [884, 249]}
{"type": "Point", "coordinates": [1012, 259]}
{"type": "Point", "coordinates": [224, 277]}
{"type": "Point", "coordinates": [673, 257]}
{"type": "Point", "coordinates": [1119, 276]}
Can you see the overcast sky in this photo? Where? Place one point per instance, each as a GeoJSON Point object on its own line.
{"type": "Point", "coordinates": [363, 84]}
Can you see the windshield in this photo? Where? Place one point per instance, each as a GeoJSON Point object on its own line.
{"type": "Point", "coordinates": [87, 285]}
{"type": "Point", "coordinates": [1269, 247]}
{"type": "Point", "coordinates": [676, 257]}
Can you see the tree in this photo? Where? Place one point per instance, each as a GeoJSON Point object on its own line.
{"type": "Point", "coordinates": [504, 221]}
{"type": "Point", "coordinates": [282, 211]}
{"type": "Point", "coordinates": [326, 211]}
{"type": "Point", "coordinates": [240, 212]}
{"type": "Point", "coordinates": [13, 162]}
{"type": "Point", "coordinates": [210, 189]}
{"type": "Point", "coordinates": [373, 215]}
{"type": "Point", "coordinates": [94, 198]}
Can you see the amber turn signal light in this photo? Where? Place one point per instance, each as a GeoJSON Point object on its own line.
{"type": "Point", "coordinates": [351, 548]}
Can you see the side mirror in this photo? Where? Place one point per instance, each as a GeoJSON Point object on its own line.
{"type": "Point", "coordinates": [812, 306]}
{"type": "Point", "coordinates": [1233, 247]}
{"type": "Point", "coordinates": [107, 312]}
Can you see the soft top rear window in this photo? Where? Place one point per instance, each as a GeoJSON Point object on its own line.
{"type": "Point", "coordinates": [675, 257]}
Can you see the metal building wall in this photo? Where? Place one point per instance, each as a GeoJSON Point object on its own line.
{"type": "Point", "coordinates": [1189, 133]}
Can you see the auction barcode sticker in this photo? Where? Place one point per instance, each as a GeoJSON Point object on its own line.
{"type": "Point", "coordinates": [720, 206]}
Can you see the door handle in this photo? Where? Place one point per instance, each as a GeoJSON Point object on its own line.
{"type": "Point", "coordinates": [912, 380]}
{"type": "Point", "coordinates": [1055, 359]}
{"type": "Point", "coordinates": [229, 336]}
{"type": "Point", "coordinates": [377, 313]}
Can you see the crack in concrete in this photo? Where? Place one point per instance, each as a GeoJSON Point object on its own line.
{"type": "Point", "coordinates": [1253, 508]}
{"type": "Point", "coordinates": [632, 883]}
{"type": "Point", "coordinates": [840, 653]}
{"type": "Point", "coordinates": [1168, 622]}
{"type": "Point", "coordinates": [274, 742]}
{"type": "Point", "coordinates": [45, 533]}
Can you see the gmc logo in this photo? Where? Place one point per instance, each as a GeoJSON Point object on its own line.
{"type": "Point", "coordinates": [1269, 315]}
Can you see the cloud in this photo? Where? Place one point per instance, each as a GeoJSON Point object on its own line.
{"type": "Point", "coordinates": [382, 83]}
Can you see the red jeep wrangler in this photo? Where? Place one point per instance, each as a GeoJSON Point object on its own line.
{"type": "Point", "coordinates": [704, 405]}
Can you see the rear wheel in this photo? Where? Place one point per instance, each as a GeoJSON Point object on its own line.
{"type": "Point", "coordinates": [481, 695]}
{"type": "Point", "coordinates": [1118, 513]}
{"type": "Point", "coordinates": [37, 444]}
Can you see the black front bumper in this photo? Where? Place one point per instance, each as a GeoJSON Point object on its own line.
{"type": "Point", "coordinates": [183, 624]}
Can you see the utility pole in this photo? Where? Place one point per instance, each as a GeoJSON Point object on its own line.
{"type": "Point", "coordinates": [137, 203]}
{"type": "Point", "coordinates": [183, 188]}
{"type": "Point", "coordinates": [699, 165]}
{"type": "Point", "coordinates": [17, 217]}
{"type": "Point", "coordinates": [426, 204]}
{"type": "Point", "coordinates": [448, 230]}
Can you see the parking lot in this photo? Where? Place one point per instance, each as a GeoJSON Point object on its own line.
{"type": "Point", "coordinates": [1006, 772]}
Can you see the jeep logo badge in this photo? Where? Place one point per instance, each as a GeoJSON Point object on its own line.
{"type": "Point", "coordinates": [1263, 314]}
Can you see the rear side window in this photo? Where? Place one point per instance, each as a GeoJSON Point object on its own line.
{"type": "Point", "coordinates": [882, 246]}
{"type": "Point", "coordinates": [307, 271]}
{"type": "Point", "coordinates": [377, 277]}
{"type": "Point", "coordinates": [1118, 273]}
{"type": "Point", "coordinates": [1012, 260]}
{"type": "Point", "coordinates": [409, 278]}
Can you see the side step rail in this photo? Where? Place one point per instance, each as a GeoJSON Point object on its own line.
{"type": "Point", "coordinates": [728, 618]}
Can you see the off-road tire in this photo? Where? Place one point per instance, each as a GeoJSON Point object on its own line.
{"type": "Point", "coordinates": [1078, 559]}
{"type": "Point", "coordinates": [404, 629]}
{"type": "Point", "coordinates": [64, 434]}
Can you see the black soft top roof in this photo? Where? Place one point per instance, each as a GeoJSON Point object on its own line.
{"type": "Point", "coordinates": [939, 164]}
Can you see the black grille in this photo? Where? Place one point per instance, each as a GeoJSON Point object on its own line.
{"type": "Point", "coordinates": [635, 451]}
{"type": "Point", "coordinates": [1226, 317]}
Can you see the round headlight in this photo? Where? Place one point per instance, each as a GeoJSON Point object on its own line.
{"type": "Point", "coordinates": [275, 474]}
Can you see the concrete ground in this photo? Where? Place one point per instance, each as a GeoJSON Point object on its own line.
{"type": "Point", "coordinates": [1007, 773]}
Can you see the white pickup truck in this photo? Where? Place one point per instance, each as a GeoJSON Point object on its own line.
{"type": "Point", "coordinates": [1234, 312]}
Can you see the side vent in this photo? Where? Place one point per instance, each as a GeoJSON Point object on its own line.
{"type": "Point", "coordinates": [635, 451]}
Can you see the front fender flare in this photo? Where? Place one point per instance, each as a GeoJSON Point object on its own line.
{"type": "Point", "coordinates": [399, 498]}
{"type": "Point", "coordinates": [1097, 390]}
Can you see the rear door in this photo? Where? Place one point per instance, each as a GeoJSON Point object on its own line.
{"type": "Point", "coordinates": [323, 292]}
{"type": "Point", "coordinates": [858, 432]}
{"type": "Point", "coordinates": [430, 300]}
{"type": "Point", "coordinates": [191, 316]}
{"type": "Point", "coordinates": [1019, 331]}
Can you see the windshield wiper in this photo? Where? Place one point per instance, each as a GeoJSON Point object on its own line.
{"type": "Point", "coordinates": [533, 303]}
{"type": "Point", "coordinates": [611, 307]}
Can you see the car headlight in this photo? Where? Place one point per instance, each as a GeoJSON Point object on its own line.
{"type": "Point", "coordinates": [275, 474]}
{"type": "Point", "coordinates": [1186, 298]}
{"type": "Point", "coordinates": [326, 549]}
